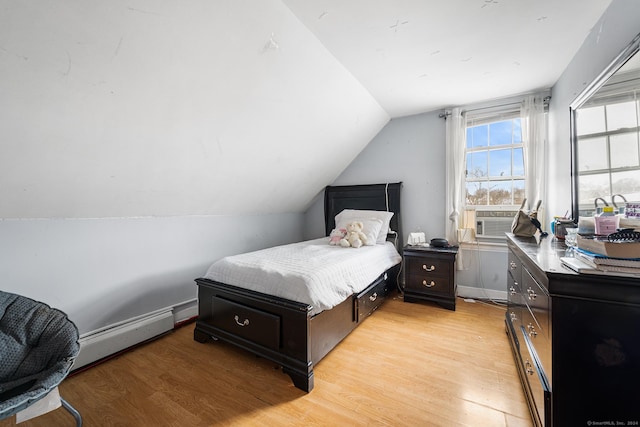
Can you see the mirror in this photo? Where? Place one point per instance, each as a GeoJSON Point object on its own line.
{"type": "Point", "coordinates": [605, 137]}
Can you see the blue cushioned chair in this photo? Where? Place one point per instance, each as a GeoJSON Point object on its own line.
{"type": "Point", "coordinates": [38, 345]}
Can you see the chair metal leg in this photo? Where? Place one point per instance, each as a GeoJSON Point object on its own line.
{"type": "Point", "coordinates": [72, 411]}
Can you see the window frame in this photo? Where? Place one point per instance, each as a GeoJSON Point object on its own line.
{"type": "Point", "coordinates": [586, 206]}
{"type": "Point", "coordinates": [487, 119]}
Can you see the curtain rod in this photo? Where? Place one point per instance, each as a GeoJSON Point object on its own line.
{"type": "Point", "coordinates": [447, 113]}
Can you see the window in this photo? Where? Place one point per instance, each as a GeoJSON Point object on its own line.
{"type": "Point", "coordinates": [609, 145]}
{"type": "Point", "coordinates": [494, 175]}
{"type": "Point", "coordinates": [494, 168]}
{"type": "Point", "coordinates": [495, 156]}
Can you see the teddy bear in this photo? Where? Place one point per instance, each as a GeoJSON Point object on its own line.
{"type": "Point", "coordinates": [336, 235]}
{"type": "Point", "coordinates": [354, 237]}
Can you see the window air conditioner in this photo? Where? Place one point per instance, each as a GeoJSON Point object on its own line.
{"type": "Point", "coordinates": [493, 223]}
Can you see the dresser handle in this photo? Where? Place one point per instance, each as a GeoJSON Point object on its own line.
{"type": "Point", "coordinates": [512, 290]}
{"type": "Point", "coordinates": [532, 294]}
{"type": "Point", "coordinates": [428, 285]}
{"type": "Point", "coordinates": [532, 330]}
{"type": "Point", "coordinates": [373, 297]}
{"type": "Point", "coordinates": [513, 316]}
{"type": "Point", "coordinates": [529, 368]}
{"type": "Point", "coordinates": [513, 265]}
{"type": "Point", "coordinates": [243, 324]}
{"type": "Point", "coordinates": [425, 268]}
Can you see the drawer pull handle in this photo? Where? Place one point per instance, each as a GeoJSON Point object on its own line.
{"type": "Point", "coordinates": [512, 290]}
{"type": "Point", "coordinates": [425, 268]}
{"type": "Point", "coordinates": [513, 265]}
{"type": "Point", "coordinates": [428, 284]}
{"type": "Point", "coordinates": [373, 297]}
{"type": "Point", "coordinates": [243, 323]}
{"type": "Point", "coordinates": [529, 368]}
{"type": "Point", "coordinates": [532, 330]}
{"type": "Point", "coordinates": [513, 316]}
{"type": "Point", "coordinates": [532, 294]}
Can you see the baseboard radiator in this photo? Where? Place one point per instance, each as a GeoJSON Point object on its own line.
{"type": "Point", "coordinates": [112, 339]}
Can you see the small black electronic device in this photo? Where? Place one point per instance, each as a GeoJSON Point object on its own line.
{"type": "Point", "coordinates": [439, 243]}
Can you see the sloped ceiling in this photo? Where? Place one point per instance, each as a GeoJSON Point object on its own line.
{"type": "Point", "coordinates": [160, 108]}
{"type": "Point", "coordinates": [157, 108]}
{"type": "Point", "coordinates": [420, 55]}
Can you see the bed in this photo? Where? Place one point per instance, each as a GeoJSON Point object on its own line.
{"type": "Point", "coordinates": [297, 335]}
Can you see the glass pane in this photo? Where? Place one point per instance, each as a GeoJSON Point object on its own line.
{"type": "Point", "coordinates": [500, 133]}
{"type": "Point", "coordinates": [624, 150]}
{"type": "Point", "coordinates": [590, 120]}
{"type": "Point", "coordinates": [518, 162]}
{"type": "Point", "coordinates": [477, 164]}
{"type": "Point", "coordinates": [592, 186]}
{"type": "Point", "coordinates": [518, 191]}
{"type": "Point", "coordinates": [500, 193]}
{"type": "Point", "coordinates": [499, 163]}
{"type": "Point", "coordinates": [477, 193]}
{"type": "Point", "coordinates": [478, 136]}
{"type": "Point", "coordinates": [622, 115]}
{"type": "Point", "coordinates": [593, 154]}
{"type": "Point", "coordinates": [626, 183]}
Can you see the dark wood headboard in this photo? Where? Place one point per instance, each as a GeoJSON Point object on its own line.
{"type": "Point", "coordinates": [377, 197]}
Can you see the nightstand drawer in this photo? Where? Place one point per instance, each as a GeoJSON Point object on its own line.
{"type": "Point", "coordinates": [429, 284]}
{"type": "Point", "coordinates": [427, 266]}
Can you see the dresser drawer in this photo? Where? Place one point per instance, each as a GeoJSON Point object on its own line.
{"type": "Point", "coordinates": [370, 299]}
{"type": "Point", "coordinates": [538, 383]}
{"type": "Point", "coordinates": [537, 298]}
{"type": "Point", "coordinates": [515, 304]}
{"type": "Point", "coordinates": [514, 266]}
{"type": "Point", "coordinates": [246, 322]}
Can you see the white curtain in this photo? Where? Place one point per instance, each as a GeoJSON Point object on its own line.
{"type": "Point", "coordinates": [534, 135]}
{"type": "Point", "coordinates": [455, 180]}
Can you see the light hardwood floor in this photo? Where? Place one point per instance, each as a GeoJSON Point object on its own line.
{"type": "Point", "coordinates": [406, 365]}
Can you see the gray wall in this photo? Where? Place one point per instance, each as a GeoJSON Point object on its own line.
{"type": "Point", "coordinates": [408, 149]}
{"type": "Point", "coordinates": [104, 271]}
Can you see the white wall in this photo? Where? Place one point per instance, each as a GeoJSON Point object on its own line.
{"type": "Point", "coordinates": [615, 29]}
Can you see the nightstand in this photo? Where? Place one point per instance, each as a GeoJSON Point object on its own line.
{"type": "Point", "coordinates": [429, 275]}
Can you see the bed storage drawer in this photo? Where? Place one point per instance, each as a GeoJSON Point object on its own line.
{"type": "Point", "coordinates": [368, 300]}
{"type": "Point", "coordinates": [256, 325]}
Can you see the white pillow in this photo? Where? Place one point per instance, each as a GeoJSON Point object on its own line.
{"type": "Point", "coordinates": [370, 227]}
{"type": "Point", "coordinates": [354, 214]}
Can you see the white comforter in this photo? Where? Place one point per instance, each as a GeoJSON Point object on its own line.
{"type": "Point", "coordinates": [311, 272]}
